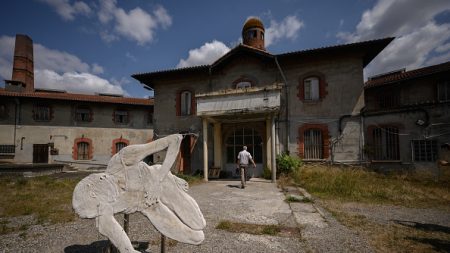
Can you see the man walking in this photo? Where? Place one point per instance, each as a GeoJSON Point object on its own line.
{"type": "Point", "coordinates": [242, 162]}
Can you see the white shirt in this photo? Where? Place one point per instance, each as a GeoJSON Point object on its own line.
{"type": "Point", "coordinates": [244, 156]}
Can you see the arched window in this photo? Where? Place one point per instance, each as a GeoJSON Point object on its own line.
{"type": "Point", "coordinates": [314, 141]}
{"type": "Point", "coordinates": [313, 144]}
{"type": "Point", "coordinates": [120, 145]}
{"type": "Point", "coordinates": [243, 85]}
{"type": "Point", "coordinates": [83, 150]}
{"type": "Point", "coordinates": [186, 100]}
{"type": "Point", "coordinates": [311, 88]}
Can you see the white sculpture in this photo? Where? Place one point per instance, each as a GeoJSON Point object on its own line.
{"type": "Point", "coordinates": [129, 185]}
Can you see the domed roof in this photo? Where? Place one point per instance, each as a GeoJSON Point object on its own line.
{"type": "Point", "coordinates": [253, 22]}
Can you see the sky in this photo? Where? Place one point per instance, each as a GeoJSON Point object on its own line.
{"type": "Point", "coordinates": [94, 46]}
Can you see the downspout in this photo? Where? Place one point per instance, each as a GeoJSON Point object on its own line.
{"type": "Point", "coordinates": [16, 118]}
{"type": "Point", "coordinates": [286, 147]}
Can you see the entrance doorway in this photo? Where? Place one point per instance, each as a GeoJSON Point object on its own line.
{"type": "Point", "coordinates": [244, 136]}
{"type": "Point", "coordinates": [185, 153]}
{"type": "Point", "coordinates": [40, 153]}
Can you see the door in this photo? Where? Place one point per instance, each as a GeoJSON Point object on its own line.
{"type": "Point", "coordinates": [244, 136]}
{"type": "Point", "coordinates": [185, 151]}
{"type": "Point", "coordinates": [40, 153]}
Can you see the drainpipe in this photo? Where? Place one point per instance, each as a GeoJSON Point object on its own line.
{"type": "Point", "coordinates": [16, 118]}
{"type": "Point", "coordinates": [286, 90]}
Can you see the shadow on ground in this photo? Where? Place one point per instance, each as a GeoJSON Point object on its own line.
{"type": "Point", "coordinates": [424, 226]}
{"type": "Point", "coordinates": [100, 246]}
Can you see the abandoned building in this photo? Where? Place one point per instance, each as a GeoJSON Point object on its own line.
{"type": "Point", "coordinates": [407, 117]}
{"type": "Point", "coordinates": [306, 103]}
{"type": "Point", "coordinates": [53, 126]}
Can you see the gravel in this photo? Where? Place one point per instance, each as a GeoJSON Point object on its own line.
{"type": "Point", "coordinates": [260, 202]}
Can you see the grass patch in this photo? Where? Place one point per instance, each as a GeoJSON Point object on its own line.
{"type": "Point", "coordinates": [256, 229]}
{"type": "Point", "coordinates": [360, 185]}
{"type": "Point", "coordinates": [48, 199]}
{"type": "Point", "coordinates": [191, 179]}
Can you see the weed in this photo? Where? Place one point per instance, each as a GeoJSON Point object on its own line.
{"type": "Point", "coordinates": [257, 229]}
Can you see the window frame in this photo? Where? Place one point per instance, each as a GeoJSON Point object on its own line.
{"type": "Point", "coordinates": [78, 115]}
{"type": "Point", "coordinates": [180, 100]}
{"type": "Point", "coordinates": [325, 139]}
{"type": "Point", "coordinates": [322, 87]}
{"type": "Point", "coordinates": [90, 148]}
{"type": "Point", "coordinates": [420, 153]}
{"type": "Point", "coordinates": [443, 96]}
{"type": "Point", "coordinates": [4, 114]}
{"type": "Point", "coordinates": [385, 142]}
{"type": "Point", "coordinates": [121, 116]}
{"type": "Point", "coordinates": [42, 116]}
{"type": "Point", "coordinates": [310, 96]}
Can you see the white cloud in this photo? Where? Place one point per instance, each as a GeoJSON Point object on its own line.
{"type": "Point", "coordinates": [97, 69]}
{"type": "Point", "coordinates": [72, 82]}
{"type": "Point", "coordinates": [418, 36]}
{"type": "Point", "coordinates": [136, 24]}
{"type": "Point", "coordinates": [55, 69]}
{"type": "Point", "coordinates": [67, 10]}
{"type": "Point", "coordinates": [205, 54]}
{"type": "Point", "coordinates": [130, 56]}
{"type": "Point", "coordinates": [288, 28]}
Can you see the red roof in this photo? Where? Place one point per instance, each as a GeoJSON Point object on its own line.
{"type": "Point", "coordinates": [78, 97]}
{"type": "Point", "coordinates": [401, 76]}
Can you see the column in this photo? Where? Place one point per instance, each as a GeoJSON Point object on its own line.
{"type": "Point", "coordinates": [205, 149]}
{"type": "Point", "coordinates": [272, 140]}
{"type": "Point", "coordinates": [217, 145]}
{"type": "Point", "coordinates": [268, 143]}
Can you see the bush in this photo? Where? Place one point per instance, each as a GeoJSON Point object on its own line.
{"type": "Point", "coordinates": [267, 173]}
{"type": "Point", "coordinates": [287, 164]}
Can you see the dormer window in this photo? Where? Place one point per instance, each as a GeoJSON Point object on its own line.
{"type": "Point", "coordinates": [243, 85]}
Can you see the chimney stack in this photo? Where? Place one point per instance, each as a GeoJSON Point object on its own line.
{"type": "Point", "coordinates": [23, 70]}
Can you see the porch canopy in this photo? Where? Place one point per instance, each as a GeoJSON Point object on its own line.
{"type": "Point", "coordinates": [238, 105]}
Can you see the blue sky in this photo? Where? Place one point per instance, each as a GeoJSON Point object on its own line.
{"type": "Point", "coordinates": [94, 46]}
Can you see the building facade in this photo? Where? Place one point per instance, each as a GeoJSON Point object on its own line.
{"type": "Point", "coordinates": [407, 118]}
{"type": "Point", "coordinates": [49, 126]}
{"type": "Point", "coordinates": [305, 103]}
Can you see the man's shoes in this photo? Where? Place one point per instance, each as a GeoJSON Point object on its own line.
{"type": "Point", "coordinates": [242, 187]}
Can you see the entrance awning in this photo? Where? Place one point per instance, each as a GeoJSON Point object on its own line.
{"type": "Point", "coordinates": [253, 100]}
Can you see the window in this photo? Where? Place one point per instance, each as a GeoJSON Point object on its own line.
{"type": "Point", "coordinates": [388, 99]}
{"type": "Point", "coordinates": [244, 137]}
{"type": "Point", "coordinates": [186, 98]}
{"type": "Point", "coordinates": [314, 141]}
{"type": "Point", "coordinates": [243, 85]}
{"type": "Point", "coordinates": [83, 114]}
{"type": "Point", "coordinates": [424, 150]}
{"type": "Point", "coordinates": [41, 113]}
{"type": "Point", "coordinates": [83, 150]}
{"type": "Point", "coordinates": [444, 91]}
{"type": "Point", "coordinates": [313, 144]}
{"type": "Point", "coordinates": [121, 116]}
{"type": "Point", "coordinates": [3, 111]}
{"type": "Point", "coordinates": [385, 143]}
{"type": "Point", "coordinates": [7, 149]}
{"type": "Point", "coordinates": [120, 145]}
{"type": "Point", "coordinates": [311, 88]}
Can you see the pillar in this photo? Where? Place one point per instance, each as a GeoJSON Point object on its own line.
{"type": "Point", "coordinates": [205, 149]}
{"type": "Point", "coordinates": [272, 140]}
{"type": "Point", "coordinates": [218, 145]}
{"type": "Point", "coordinates": [268, 143]}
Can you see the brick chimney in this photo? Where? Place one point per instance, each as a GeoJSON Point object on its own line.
{"type": "Point", "coordinates": [23, 67]}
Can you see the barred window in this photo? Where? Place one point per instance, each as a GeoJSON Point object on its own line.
{"type": "Point", "coordinates": [313, 143]}
{"type": "Point", "coordinates": [386, 143]}
{"type": "Point", "coordinates": [119, 146]}
{"type": "Point", "coordinates": [424, 150]}
{"type": "Point", "coordinates": [3, 111]}
{"type": "Point", "coordinates": [83, 151]}
{"type": "Point", "coordinates": [7, 149]}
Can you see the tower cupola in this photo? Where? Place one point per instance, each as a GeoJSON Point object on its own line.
{"type": "Point", "coordinates": [253, 33]}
